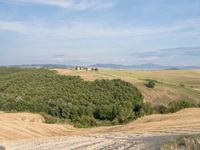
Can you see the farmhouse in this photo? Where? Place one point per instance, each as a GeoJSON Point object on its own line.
{"type": "Point", "coordinates": [85, 68]}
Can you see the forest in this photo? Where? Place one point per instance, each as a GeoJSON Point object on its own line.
{"type": "Point", "coordinates": [70, 98]}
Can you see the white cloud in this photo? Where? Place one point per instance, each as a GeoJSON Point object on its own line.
{"type": "Point", "coordinates": [77, 30]}
{"type": "Point", "coordinates": [171, 52]}
{"type": "Point", "coordinates": [72, 4]}
{"type": "Point", "coordinates": [17, 27]}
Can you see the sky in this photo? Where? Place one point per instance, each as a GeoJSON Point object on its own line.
{"type": "Point", "coordinates": [83, 32]}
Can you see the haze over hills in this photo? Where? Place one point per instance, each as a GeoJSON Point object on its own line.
{"type": "Point", "coordinates": [42, 66]}
{"type": "Point", "coordinates": [148, 66]}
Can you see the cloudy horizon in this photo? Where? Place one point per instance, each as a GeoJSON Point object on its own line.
{"type": "Point", "coordinates": [100, 31]}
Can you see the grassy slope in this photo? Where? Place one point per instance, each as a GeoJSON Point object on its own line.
{"type": "Point", "coordinates": [168, 89]}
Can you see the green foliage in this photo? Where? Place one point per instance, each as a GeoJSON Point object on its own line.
{"type": "Point", "coordinates": [148, 109]}
{"type": "Point", "coordinates": [51, 120]}
{"type": "Point", "coordinates": [84, 103]}
{"type": "Point", "coordinates": [161, 109]}
{"type": "Point", "coordinates": [151, 84]}
{"type": "Point", "coordinates": [175, 106]}
{"type": "Point", "coordinates": [180, 104]}
{"type": "Point", "coordinates": [85, 122]}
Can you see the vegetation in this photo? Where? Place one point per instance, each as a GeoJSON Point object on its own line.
{"type": "Point", "coordinates": [175, 106]}
{"type": "Point", "coordinates": [70, 98]}
{"type": "Point", "coordinates": [84, 103]}
{"type": "Point", "coordinates": [151, 84]}
{"type": "Point", "coordinates": [161, 109]}
{"type": "Point", "coordinates": [184, 142]}
{"type": "Point", "coordinates": [52, 120]}
{"type": "Point", "coordinates": [178, 105]}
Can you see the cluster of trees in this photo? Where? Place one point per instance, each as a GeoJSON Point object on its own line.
{"type": "Point", "coordinates": [175, 106]}
{"type": "Point", "coordinates": [84, 103]}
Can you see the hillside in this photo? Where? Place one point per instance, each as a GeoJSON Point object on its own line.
{"type": "Point", "coordinates": [171, 85]}
{"type": "Point", "coordinates": [146, 131]}
{"type": "Point", "coordinates": [148, 66]}
{"type": "Point", "coordinates": [112, 99]}
{"type": "Point", "coordinates": [27, 125]}
{"type": "Point", "coordinates": [69, 98]}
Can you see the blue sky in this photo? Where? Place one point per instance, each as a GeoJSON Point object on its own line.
{"type": "Point", "coordinates": [85, 32]}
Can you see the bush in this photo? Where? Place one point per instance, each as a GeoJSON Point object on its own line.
{"type": "Point", "coordinates": [148, 109]}
{"type": "Point", "coordinates": [161, 109]}
{"type": "Point", "coordinates": [151, 84]}
{"type": "Point", "coordinates": [85, 122]}
{"type": "Point", "coordinates": [180, 104]}
{"type": "Point", "coordinates": [51, 120]}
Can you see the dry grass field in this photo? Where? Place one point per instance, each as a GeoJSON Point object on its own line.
{"type": "Point", "coordinates": [21, 131]}
{"type": "Point", "coordinates": [172, 84]}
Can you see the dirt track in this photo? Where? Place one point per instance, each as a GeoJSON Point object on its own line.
{"type": "Point", "coordinates": [150, 131]}
{"type": "Point", "coordinates": [105, 141]}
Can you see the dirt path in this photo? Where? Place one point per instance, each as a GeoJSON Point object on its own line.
{"type": "Point", "coordinates": [109, 141]}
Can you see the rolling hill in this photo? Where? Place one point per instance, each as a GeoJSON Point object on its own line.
{"type": "Point", "coordinates": [28, 131]}
{"type": "Point", "coordinates": [148, 66]}
{"type": "Point", "coordinates": [172, 85]}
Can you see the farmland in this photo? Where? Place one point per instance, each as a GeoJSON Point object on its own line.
{"type": "Point", "coordinates": [171, 84]}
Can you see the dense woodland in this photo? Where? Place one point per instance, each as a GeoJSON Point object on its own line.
{"type": "Point", "coordinates": [84, 103]}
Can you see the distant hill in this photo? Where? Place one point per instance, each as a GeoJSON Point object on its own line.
{"type": "Point", "coordinates": [114, 66]}
{"type": "Point", "coordinates": [43, 66]}
{"type": "Point", "coordinates": [148, 66]}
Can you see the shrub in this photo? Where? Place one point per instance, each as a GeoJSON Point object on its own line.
{"type": "Point", "coordinates": [85, 122]}
{"type": "Point", "coordinates": [51, 120]}
{"type": "Point", "coordinates": [161, 109]}
{"type": "Point", "coordinates": [180, 104]}
{"type": "Point", "coordinates": [151, 84]}
{"type": "Point", "coordinates": [148, 109]}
